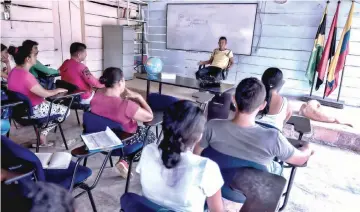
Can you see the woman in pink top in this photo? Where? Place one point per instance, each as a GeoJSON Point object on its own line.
{"type": "Point", "coordinates": [75, 72]}
{"type": "Point", "coordinates": [121, 105]}
{"type": "Point", "coordinates": [22, 81]}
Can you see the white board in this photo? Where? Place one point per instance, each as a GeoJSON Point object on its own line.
{"type": "Point", "coordinates": [197, 27]}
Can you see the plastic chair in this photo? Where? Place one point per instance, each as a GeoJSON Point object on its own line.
{"type": "Point", "coordinates": [224, 72]}
{"type": "Point", "coordinates": [228, 165]}
{"type": "Point", "coordinates": [22, 114]}
{"type": "Point", "coordinates": [131, 202]}
{"type": "Point", "coordinates": [94, 123]}
{"type": "Point", "coordinates": [76, 105]}
{"type": "Point", "coordinates": [71, 178]}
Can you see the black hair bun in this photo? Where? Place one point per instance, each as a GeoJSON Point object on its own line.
{"type": "Point", "coordinates": [102, 80]}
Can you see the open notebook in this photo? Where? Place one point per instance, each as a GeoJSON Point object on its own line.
{"type": "Point", "coordinates": [101, 140]}
{"type": "Point", "coordinates": [56, 160]}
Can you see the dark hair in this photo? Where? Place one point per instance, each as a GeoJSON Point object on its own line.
{"type": "Point", "coordinates": [20, 53]}
{"type": "Point", "coordinates": [272, 79]}
{"type": "Point", "coordinates": [183, 123]}
{"type": "Point", "coordinates": [223, 38]}
{"type": "Point", "coordinates": [77, 47]}
{"type": "Point", "coordinates": [111, 76]}
{"type": "Point", "coordinates": [3, 47]}
{"type": "Point", "coordinates": [30, 43]}
{"type": "Point", "coordinates": [250, 94]}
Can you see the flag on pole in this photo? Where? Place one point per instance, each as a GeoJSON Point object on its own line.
{"type": "Point", "coordinates": [318, 48]}
{"type": "Point", "coordinates": [342, 50]}
{"type": "Point", "coordinates": [329, 50]}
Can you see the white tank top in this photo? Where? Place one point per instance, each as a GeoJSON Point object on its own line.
{"type": "Point", "coordinates": [276, 120]}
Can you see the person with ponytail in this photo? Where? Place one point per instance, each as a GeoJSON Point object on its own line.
{"type": "Point", "coordinates": [22, 81]}
{"type": "Point", "coordinates": [171, 175]}
{"type": "Point", "coordinates": [124, 106]}
{"type": "Point", "coordinates": [277, 111]}
{"type": "Point", "coordinates": [5, 63]}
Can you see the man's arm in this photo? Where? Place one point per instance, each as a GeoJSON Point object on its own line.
{"type": "Point", "coordinates": [231, 62]}
{"type": "Point", "coordinates": [44, 69]}
{"type": "Point", "coordinates": [90, 79]}
{"type": "Point", "coordinates": [301, 156]}
{"type": "Point", "coordinates": [205, 139]}
{"type": "Point", "coordinates": [208, 61]}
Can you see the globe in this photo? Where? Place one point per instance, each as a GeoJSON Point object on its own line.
{"type": "Point", "coordinates": [153, 66]}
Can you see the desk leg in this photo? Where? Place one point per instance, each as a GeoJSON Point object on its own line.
{"type": "Point", "coordinates": [160, 87]}
{"type": "Point", "coordinates": [300, 136]}
{"type": "Point", "coordinates": [147, 88]}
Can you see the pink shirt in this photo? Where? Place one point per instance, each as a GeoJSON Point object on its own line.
{"type": "Point", "coordinates": [78, 74]}
{"type": "Point", "coordinates": [22, 81]}
{"type": "Point", "coordinates": [117, 109]}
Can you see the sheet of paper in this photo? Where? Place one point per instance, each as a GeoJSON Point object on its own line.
{"type": "Point", "coordinates": [60, 160]}
{"type": "Point", "coordinates": [44, 158]}
{"type": "Point", "coordinates": [101, 140]}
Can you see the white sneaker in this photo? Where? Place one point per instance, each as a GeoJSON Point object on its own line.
{"type": "Point", "coordinates": [47, 144]}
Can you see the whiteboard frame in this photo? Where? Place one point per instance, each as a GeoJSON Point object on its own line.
{"type": "Point", "coordinates": [167, 10]}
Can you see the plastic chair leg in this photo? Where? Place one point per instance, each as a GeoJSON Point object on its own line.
{"type": "Point", "coordinates": [85, 161]}
{"type": "Point", "coordinates": [91, 200]}
{"type": "Point", "coordinates": [111, 162]}
{"type": "Point", "coordinates": [129, 176]}
{"type": "Point", "coordinates": [77, 117]}
{"type": "Point", "coordinates": [37, 132]}
{"type": "Point", "coordinates": [63, 137]}
{"type": "Point", "coordinates": [157, 131]}
{"type": "Point", "coordinates": [288, 189]}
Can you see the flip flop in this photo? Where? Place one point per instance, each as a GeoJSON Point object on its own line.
{"type": "Point", "coordinates": [48, 144]}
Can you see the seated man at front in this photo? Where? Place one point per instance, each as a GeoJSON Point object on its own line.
{"type": "Point", "coordinates": [220, 59]}
{"type": "Point", "coordinates": [75, 72]}
{"type": "Point", "coordinates": [243, 138]}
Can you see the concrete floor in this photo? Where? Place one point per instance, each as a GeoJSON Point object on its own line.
{"type": "Point", "coordinates": [330, 182]}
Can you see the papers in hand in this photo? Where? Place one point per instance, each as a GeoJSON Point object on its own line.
{"type": "Point", "coordinates": [101, 140]}
{"type": "Point", "coordinates": [57, 160]}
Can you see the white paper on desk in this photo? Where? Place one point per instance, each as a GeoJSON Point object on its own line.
{"type": "Point", "coordinates": [56, 160]}
{"type": "Point", "coordinates": [101, 140]}
{"type": "Point", "coordinates": [165, 75]}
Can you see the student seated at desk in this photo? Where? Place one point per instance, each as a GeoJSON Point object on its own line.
{"type": "Point", "coordinates": [121, 105]}
{"type": "Point", "coordinates": [20, 80]}
{"type": "Point", "coordinates": [171, 175]}
{"type": "Point", "coordinates": [5, 63]}
{"type": "Point", "coordinates": [277, 110]}
{"type": "Point", "coordinates": [220, 59]}
{"type": "Point", "coordinates": [243, 138]}
{"type": "Point", "coordinates": [75, 72]}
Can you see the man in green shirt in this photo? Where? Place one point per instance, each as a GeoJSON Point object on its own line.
{"type": "Point", "coordinates": [40, 71]}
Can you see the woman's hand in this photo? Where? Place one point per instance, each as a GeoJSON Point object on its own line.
{"type": "Point", "coordinates": [61, 90]}
{"type": "Point", "coordinates": [4, 59]}
{"type": "Point", "coordinates": [131, 94]}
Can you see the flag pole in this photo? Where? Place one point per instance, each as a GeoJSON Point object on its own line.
{"type": "Point", "coordinates": [341, 81]}
{"type": "Point", "coordinates": [326, 79]}
{"type": "Point", "coordinates": [312, 86]}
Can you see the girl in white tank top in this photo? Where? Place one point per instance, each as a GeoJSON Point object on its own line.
{"type": "Point", "coordinates": [273, 81]}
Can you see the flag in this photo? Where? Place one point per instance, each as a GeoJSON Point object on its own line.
{"type": "Point", "coordinates": [318, 48]}
{"type": "Point", "coordinates": [329, 50]}
{"type": "Point", "coordinates": [342, 50]}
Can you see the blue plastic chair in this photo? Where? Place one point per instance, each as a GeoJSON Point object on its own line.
{"type": "Point", "coordinates": [22, 114]}
{"type": "Point", "coordinates": [228, 166]}
{"type": "Point", "coordinates": [94, 123]}
{"type": "Point", "coordinates": [72, 177]}
{"type": "Point", "coordinates": [131, 202]}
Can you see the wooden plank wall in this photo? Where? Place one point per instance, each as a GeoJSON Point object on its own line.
{"type": "Point", "coordinates": [286, 34]}
{"type": "Point", "coordinates": [97, 14]}
{"type": "Point", "coordinates": [25, 24]}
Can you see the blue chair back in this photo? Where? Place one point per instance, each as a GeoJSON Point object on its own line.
{"type": "Point", "coordinates": [11, 149]}
{"type": "Point", "coordinates": [159, 102]}
{"type": "Point", "coordinates": [94, 123]}
{"type": "Point", "coordinates": [135, 203]}
{"type": "Point", "coordinates": [228, 166]}
{"type": "Point", "coordinates": [23, 109]}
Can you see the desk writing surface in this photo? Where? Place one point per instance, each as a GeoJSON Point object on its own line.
{"type": "Point", "coordinates": [185, 82]}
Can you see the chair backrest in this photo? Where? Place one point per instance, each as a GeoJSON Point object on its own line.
{"type": "Point", "coordinates": [159, 102]}
{"type": "Point", "coordinates": [227, 162]}
{"type": "Point", "coordinates": [134, 202]}
{"type": "Point", "coordinates": [11, 149]}
{"type": "Point", "coordinates": [94, 123]}
{"type": "Point", "coordinates": [23, 109]}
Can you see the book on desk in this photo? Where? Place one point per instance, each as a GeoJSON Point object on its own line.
{"type": "Point", "coordinates": [103, 140]}
{"type": "Point", "coordinates": [56, 160]}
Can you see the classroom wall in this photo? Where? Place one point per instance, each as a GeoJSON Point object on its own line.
{"type": "Point", "coordinates": [284, 37]}
{"type": "Point", "coordinates": [57, 24]}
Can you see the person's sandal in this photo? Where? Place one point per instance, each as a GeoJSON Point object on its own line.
{"type": "Point", "coordinates": [47, 144]}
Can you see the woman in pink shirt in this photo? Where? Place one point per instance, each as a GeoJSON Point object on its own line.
{"type": "Point", "coordinates": [75, 72]}
{"type": "Point", "coordinates": [121, 105]}
{"type": "Point", "coordinates": [22, 81]}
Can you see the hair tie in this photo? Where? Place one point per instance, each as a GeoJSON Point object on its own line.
{"type": "Point", "coordinates": [16, 50]}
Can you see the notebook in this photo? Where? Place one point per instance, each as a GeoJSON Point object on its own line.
{"type": "Point", "coordinates": [101, 140]}
{"type": "Point", "coordinates": [56, 160]}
